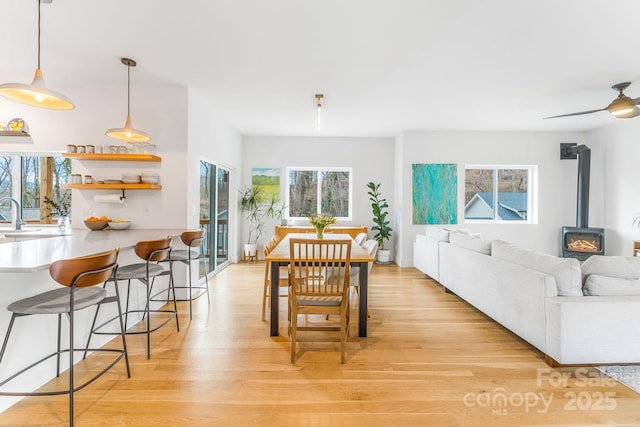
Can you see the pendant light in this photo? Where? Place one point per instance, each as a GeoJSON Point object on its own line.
{"type": "Point", "coordinates": [36, 94]}
{"type": "Point", "coordinates": [128, 132]}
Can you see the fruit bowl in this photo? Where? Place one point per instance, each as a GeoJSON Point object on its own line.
{"type": "Point", "coordinates": [96, 224]}
{"type": "Point", "coordinates": [119, 224]}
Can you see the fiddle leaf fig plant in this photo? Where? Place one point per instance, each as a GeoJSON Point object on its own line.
{"type": "Point", "coordinates": [379, 208]}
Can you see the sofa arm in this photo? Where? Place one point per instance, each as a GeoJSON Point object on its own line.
{"type": "Point", "coordinates": [593, 329]}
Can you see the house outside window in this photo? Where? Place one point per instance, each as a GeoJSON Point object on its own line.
{"type": "Point", "coordinates": [29, 179]}
{"type": "Point", "coordinates": [500, 194]}
{"type": "Point", "coordinates": [315, 191]}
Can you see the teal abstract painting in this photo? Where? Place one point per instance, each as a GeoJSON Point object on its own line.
{"type": "Point", "coordinates": [435, 193]}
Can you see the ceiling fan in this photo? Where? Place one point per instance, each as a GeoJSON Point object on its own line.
{"type": "Point", "coordinates": [622, 107]}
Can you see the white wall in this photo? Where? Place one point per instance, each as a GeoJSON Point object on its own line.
{"type": "Point", "coordinates": [619, 148]}
{"type": "Point", "coordinates": [159, 110]}
{"type": "Point", "coordinates": [556, 181]}
{"type": "Point", "coordinates": [210, 139]}
{"type": "Point", "coordinates": [370, 158]}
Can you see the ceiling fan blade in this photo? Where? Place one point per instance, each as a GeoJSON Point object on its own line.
{"type": "Point", "coordinates": [636, 101]}
{"type": "Point", "coordinates": [576, 114]}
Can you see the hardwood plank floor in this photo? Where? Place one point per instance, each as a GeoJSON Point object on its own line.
{"type": "Point", "coordinates": [430, 359]}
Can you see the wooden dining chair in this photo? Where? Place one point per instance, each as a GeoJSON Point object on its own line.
{"type": "Point", "coordinates": [319, 284]}
{"type": "Point", "coordinates": [284, 279]}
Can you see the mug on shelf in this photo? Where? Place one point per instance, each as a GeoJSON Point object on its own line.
{"type": "Point", "coordinates": [72, 148]}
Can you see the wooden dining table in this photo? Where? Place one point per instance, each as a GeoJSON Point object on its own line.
{"type": "Point", "coordinates": [280, 256]}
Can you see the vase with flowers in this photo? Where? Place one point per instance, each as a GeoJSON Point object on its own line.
{"type": "Point", "coordinates": [60, 209]}
{"type": "Point", "coordinates": [320, 222]}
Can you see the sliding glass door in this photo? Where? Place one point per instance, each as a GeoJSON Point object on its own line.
{"type": "Point", "coordinates": [214, 215]}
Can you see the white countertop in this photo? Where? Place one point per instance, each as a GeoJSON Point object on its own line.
{"type": "Point", "coordinates": [37, 254]}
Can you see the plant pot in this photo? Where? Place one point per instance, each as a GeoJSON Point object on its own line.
{"type": "Point", "coordinates": [384, 256]}
{"type": "Point", "coordinates": [250, 249]}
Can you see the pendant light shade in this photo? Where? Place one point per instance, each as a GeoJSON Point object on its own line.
{"type": "Point", "coordinates": [128, 132]}
{"type": "Point", "coordinates": [36, 94]}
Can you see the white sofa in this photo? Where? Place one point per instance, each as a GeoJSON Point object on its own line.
{"type": "Point", "coordinates": [573, 314]}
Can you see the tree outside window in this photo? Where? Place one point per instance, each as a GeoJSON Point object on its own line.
{"type": "Point", "coordinates": [29, 179]}
{"type": "Point", "coordinates": [316, 191]}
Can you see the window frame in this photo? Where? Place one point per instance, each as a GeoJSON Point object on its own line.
{"type": "Point", "coordinates": [532, 193]}
{"type": "Point", "coordinates": [319, 171]}
{"type": "Point", "coordinates": [16, 183]}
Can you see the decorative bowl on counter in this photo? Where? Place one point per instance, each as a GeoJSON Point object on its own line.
{"type": "Point", "coordinates": [96, 224]}
{"type": "Point", "coordinates": [119, 224]}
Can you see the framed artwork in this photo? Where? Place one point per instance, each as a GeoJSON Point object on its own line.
{"type": "Point", "coordinates": [435, 193]}
{"type": "Point", "coordinates": [269, 180]}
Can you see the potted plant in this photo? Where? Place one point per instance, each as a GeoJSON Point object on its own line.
{"type": "Point", "coordinates": [256, 213]}
{"type": "Point", "coordinates": [60, 210]}
{"type": "Point", "coordinates": [379, 207]}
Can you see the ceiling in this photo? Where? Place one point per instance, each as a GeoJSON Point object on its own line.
{"type": "Point", "coordinates": [384, 66]}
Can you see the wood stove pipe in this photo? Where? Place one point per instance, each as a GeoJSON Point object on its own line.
{"type": "Point", "coordinates": [583, 154]}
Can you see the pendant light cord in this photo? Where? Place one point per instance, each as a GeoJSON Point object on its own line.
{"type": "Point", "coordinates": [128, 89]}
{"type": "Point", "coordinates": [39, 5]}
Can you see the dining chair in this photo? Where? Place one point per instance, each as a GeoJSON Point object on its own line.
{"type": "Point", "coordinates": [319, 284]}
{"type": "Point", "coordinates": [284, 279]}
{"type": "Point", "coordinates": [152, 252]}
{"type": "Point", "coordinates": [360, 238]}
{"type": "Point", "coordinates": [79, 277]}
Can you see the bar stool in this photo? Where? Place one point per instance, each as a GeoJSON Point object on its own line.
{"type": "Point", "coordinates": [152, 252]}
{"type": "Point", "coordinates": [79, 277]}
{"type": "Point", "coordinates": [192, 239]}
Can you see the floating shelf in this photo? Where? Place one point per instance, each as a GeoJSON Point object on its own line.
{"type": "Point", "coordinates": [13, 133]}
{"type": "Point", "coordinates": [114, 157]}
{"type": "Point", "coordinates": [114, 186]}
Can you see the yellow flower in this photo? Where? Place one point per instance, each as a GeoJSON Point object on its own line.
{"type": "Point", "coordinates": [322, 221]}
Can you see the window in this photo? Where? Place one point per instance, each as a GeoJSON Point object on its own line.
{"type": "Point", "coordinates": [319, 191]}
{"type": "Point", "coordinates": [500, 193]}
{"type": "Point", "coordinates": [29, 179]}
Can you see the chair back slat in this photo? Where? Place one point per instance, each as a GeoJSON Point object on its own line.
{"type": "Point", "coordinates": [154, 250]}
{"type": "Point", "coordinates": [319, 267]}
{"type": "Point", "coordinates": [192, 238]}
{"type": "Point", "coordinates": [85, 271]}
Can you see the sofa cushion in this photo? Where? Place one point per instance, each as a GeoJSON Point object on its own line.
{"type": "Point", "coordinates": [565, 270]}
{"type": "Point", "coordinates": [596, 284]}
{"type": "Point", "coordinates": [612, 266]}
{"type": "Point", "coordinates": [470, 242]}
{"type": "Point", "coordinates": [437, 233]}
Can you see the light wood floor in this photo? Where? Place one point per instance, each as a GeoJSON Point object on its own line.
{"type": "Point", "coordinates": [430, 359]}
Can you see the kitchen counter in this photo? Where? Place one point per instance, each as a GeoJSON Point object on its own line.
{"type": "Point", "coordinates": [39, 246]}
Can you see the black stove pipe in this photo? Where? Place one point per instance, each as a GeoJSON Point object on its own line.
{"type": "Point", "coordinates": [584, 167]}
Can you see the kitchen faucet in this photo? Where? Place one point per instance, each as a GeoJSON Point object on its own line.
{"type": "Point", "coordinates": [19, 221]}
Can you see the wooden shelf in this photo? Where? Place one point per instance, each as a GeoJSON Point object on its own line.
{"type": "Point", "coordinates": [114, 157]}
{"type": "Point", "coordinates": [13, 133]}
{"type": "Point", "coordinates": [114, 186]}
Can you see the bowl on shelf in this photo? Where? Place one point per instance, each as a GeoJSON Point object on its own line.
{"type": "Point", "coordinates": [129, 178]}
{"type": "Point", "coordinates": [119, 224]}
{"type": "Point", "coordinates": [97, 224]}
{"type": "Point", "coordinates": [150, 179]}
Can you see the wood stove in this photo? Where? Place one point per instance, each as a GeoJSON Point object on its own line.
{"type": "Point", "coordinates": [581, 241]}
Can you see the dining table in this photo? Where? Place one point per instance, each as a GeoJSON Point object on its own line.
{"type": "Point", "coordinates": [280, 256]}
